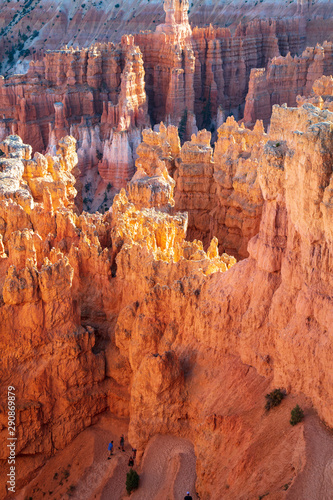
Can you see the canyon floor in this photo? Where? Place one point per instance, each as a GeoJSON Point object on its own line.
{"type": "Point", "coordinates": [82, 470]}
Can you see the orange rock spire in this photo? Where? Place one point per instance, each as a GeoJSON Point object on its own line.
{"type": "Point", "coordinates": [176, 18]}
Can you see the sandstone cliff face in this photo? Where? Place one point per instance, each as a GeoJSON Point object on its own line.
{"type": "Point", "coordinates": [100, 95]}
{"type": "Point", "coordinates": [47, 354]}
{"type": "Point", "coordinates": [220, 190]}
{"type": "Point", "coordinates": [55, 322]}
{"type": "Point", "coordinates": [195, 187]}
{"type": "Point", "coordinates": [27, 29]}
{"type": "Point", "coordinates": [96, 94]}
{"type": "Point", "coordinates": [175, 325]}
{"type": "Point", "coordinates": [284, 79]}
{"type": "Point", "coordinates": [211, 67]}
{"type": "Point", "coordinates": [271, 310]}
{"type": "Point", "coordinates": [236, 214]}
{"type": "Point", "coordinates": [321, 96]}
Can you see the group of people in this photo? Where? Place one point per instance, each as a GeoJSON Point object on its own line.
{"type": "Point", "coordinates": [132, 458]}
{"type": "Point", "coordinates": [122, 447]}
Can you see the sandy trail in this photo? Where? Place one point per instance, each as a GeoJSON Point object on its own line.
{"type": "Point", "coordinates": [315, 482]}
{"type": "Point", "coordinates": [82, 470]}
{"type": "Point", "coordinates": [168, 470]}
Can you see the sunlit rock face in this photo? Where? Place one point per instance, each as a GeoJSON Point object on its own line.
{"type": "Point", "coordinates": [284, 79]}
{"type": "Point", "coordinates": [141, 312]}
{"type": "Point", "coordinates": [105, 93]}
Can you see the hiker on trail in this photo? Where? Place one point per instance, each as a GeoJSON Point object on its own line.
{"type": "Point", "coordinates": [131, 462]}
{"type": "Point", "coordinates": [110, 448]}
{"type": "Point", "coordinates": [188, 496]}
{"type": "Point", "coordinates": [134, 453]}
{"type": "Point", "coordinates": [122, 442]}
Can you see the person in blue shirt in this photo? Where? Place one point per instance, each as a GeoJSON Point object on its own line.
{"type": "Point", "coordinates": [110, 448]}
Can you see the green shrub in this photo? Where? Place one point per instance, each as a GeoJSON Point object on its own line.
{"type": "Point", "coordinates": [182, 125]}
{"type": "Point", "coordinates": [132, 481]}
{"type": "Point", "coordinates": [297, 415]}
{"type": "Point", "coordinates": [273, 399]}
{"type": "Point", "coordinates": [70, 491]}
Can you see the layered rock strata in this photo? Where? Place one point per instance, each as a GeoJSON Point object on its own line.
{"type": "Point", "coordinates": [271, 310]}
{"type": "Point", "coordinates": [284, 79]}
{"type": "Point", "coordinates": [176, 326]}
{"type": "Point", "coordinates": [195, 186]}
{"type": "Point", "coordinates": [57, 326]}
{"type": "Point", "coordinates": [210, 66]}
{"type": "Point", "coordinates": [322, 94]}
{"type": "Point", "coordinates": [236, 214]}
{"type": "Point", "coordinates": [189, 78]}
{"type": "Point", "coordinates": [218, 189]}
{"type": "Point", "coordinates": [49, 354]}
{"type": "Point", "coordinates": [27, 28]}
{"type": "Point", "coordinates": [96, 94]}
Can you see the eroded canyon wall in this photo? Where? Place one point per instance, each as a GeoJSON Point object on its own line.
{"type": "Point", "coordinates": [28, 27]}
{"type": "Point", "coordinates": [219, 189]}
{"type": "Point", "coordinates": [284, 79]}
{"type": "Point", "coordinates": [60, 276]}
{"type": "Point", "coordinates": [96, 94]}
{"type": "Point", "coordinates": [165, 318]}
{"type": "Point", "coordinates": [105, 95]}
{"type": "Point", "coordinates": [272, 310]}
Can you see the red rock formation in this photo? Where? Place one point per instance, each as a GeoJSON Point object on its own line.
{"type": "Point", "coordinates": [98, 94]}
{"type": "Point", "coordinates": [221, 192]}
{"type": "Point", "coordinates": [271, 310]}
{"type": "Point", "coordinates": [52, 268]}
{"type": "Point", "coordinates": [47, 355]}
{"type": "Point", "coordinates": [93, 92]}
{"type": "Point", "coordinates": [323, 92]}
{"type": "Point", "coordinates": [212, 65]}
{"type": "Point", "coordinates": [27, 30]}
{"type": "Point", "coordinates": [236, 216]}
{"type": "Point", "coordinates": [284, 79]}
{"type": "Point", "coordinates": [195, 187]}
{"type": "Point", "coordinates": [181, 327]}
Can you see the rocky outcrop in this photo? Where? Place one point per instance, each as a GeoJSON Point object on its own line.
{"type": "Point", "coordinates": [169, 65]}
{"type": "Point", "coordinates": [236, 214]}
{"type": "Point", "coordinates": [195, 187]}
{"type": "Point", "coordinates": [224, 61]}
{"type": "Point", "coordinates": [211, 67]}
{"type": "Point", "coordinates": [101, 94]}
{"type": "Point", "coordinates": [53, 266]}
{"type": "Point", "coordinates": [321, 96]}
{"type": "Point", "coordinates": [284, 79]}
{"type": "Point", "coordinates": [96, 94]}
{"type": "Point", "coordinates": [176, 326]}
{"type": "Point", "coordinates": [26, 33]}
{"type": "Point", "coordinates": [221, 191]}
{"type": "Point", "coordinates": [270, 310]}
{"type": "Point", "coordinates": [47, 353]}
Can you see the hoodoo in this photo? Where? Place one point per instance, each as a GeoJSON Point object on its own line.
{"type": "Point", "coordinates": [166, 239]}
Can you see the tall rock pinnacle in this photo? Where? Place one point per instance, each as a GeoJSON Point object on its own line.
{"type": "Point", "coordinates": [176, 18]}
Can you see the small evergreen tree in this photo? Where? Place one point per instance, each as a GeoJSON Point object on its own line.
{"type": "Point", "coordinates": [273, 399]}
{"type": "Point", "coordinates": [182, 126]}
{"type": "Point", "coordinates": [207, 114]}
{"type": "Point", "coordinates": [132, 481]}
{"type": "Point", "coordinates": [297, 415]}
